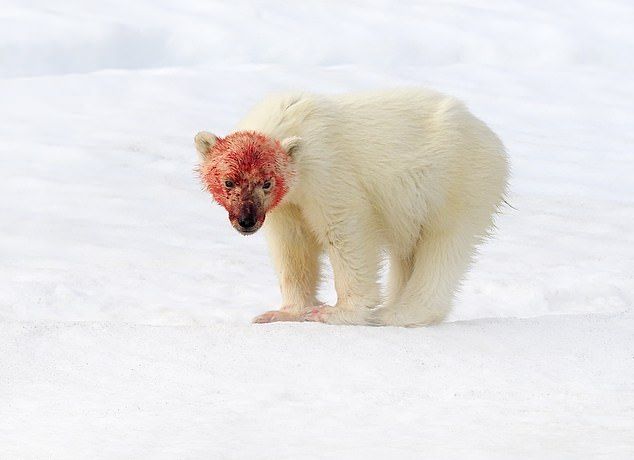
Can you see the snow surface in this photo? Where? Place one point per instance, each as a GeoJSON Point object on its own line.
{"type": "Point", "coordinates": [125, 295]}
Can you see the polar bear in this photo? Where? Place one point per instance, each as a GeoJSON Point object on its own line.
{"type": "Point", "coordinates": [408, 173]}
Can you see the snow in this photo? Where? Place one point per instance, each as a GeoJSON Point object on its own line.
{"type": "Point", "coordinates": [125, 295]}
{"type": "Point", "coordinates": [116, 390]}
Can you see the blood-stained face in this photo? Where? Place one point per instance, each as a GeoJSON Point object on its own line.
{"type": "Point", "coordinates": [248, 173]}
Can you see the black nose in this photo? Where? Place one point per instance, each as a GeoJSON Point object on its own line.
{"type": "Point", "coordinates": [247, 222]}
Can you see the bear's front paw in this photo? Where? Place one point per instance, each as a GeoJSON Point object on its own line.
{"type": "Point", "coordinates": [319, 313]}
{"type": "Point", "coordinates": [336, 315]}
{"type": "Point", "coordinates": [279, 315]}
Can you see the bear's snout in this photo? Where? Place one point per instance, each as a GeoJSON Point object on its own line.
{"type": "Point", "coordinates": [248, 220]}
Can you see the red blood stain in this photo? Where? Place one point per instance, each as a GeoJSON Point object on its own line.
{"type": "Point", "coordinates": [248, 159]}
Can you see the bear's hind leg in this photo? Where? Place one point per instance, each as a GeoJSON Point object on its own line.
{"type": "Point", "coordinates": [400, 271]}
{"type": "Point", "coordinates": [439, 263]}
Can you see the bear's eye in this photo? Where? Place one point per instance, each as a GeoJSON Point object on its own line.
{"type": "Point", "coordinates": [229, 184]}
{"type": "Point", "coordinates": [266, 185]}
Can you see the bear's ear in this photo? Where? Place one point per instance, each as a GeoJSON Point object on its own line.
{"type": "Point", "coordinates": [291, 145]}
{"type": "Point", "coordinates": [204, 142]}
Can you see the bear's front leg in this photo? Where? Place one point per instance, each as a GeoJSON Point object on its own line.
{"type": "Point", "coordinates": [354, 255]}
{"type": "Point", "coordinates": [295, 253]}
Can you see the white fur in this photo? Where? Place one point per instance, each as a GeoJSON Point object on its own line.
{"type": "Point", "coordinates": [411, 172]}
{"type": "Point", "coordinates": [204, 142]}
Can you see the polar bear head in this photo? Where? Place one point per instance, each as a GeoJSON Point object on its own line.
{"type": "Point", "coordinates": [248, 173]}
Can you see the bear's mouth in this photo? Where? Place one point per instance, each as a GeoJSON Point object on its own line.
{"type": "Point", "coordinates": [249, 231]}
